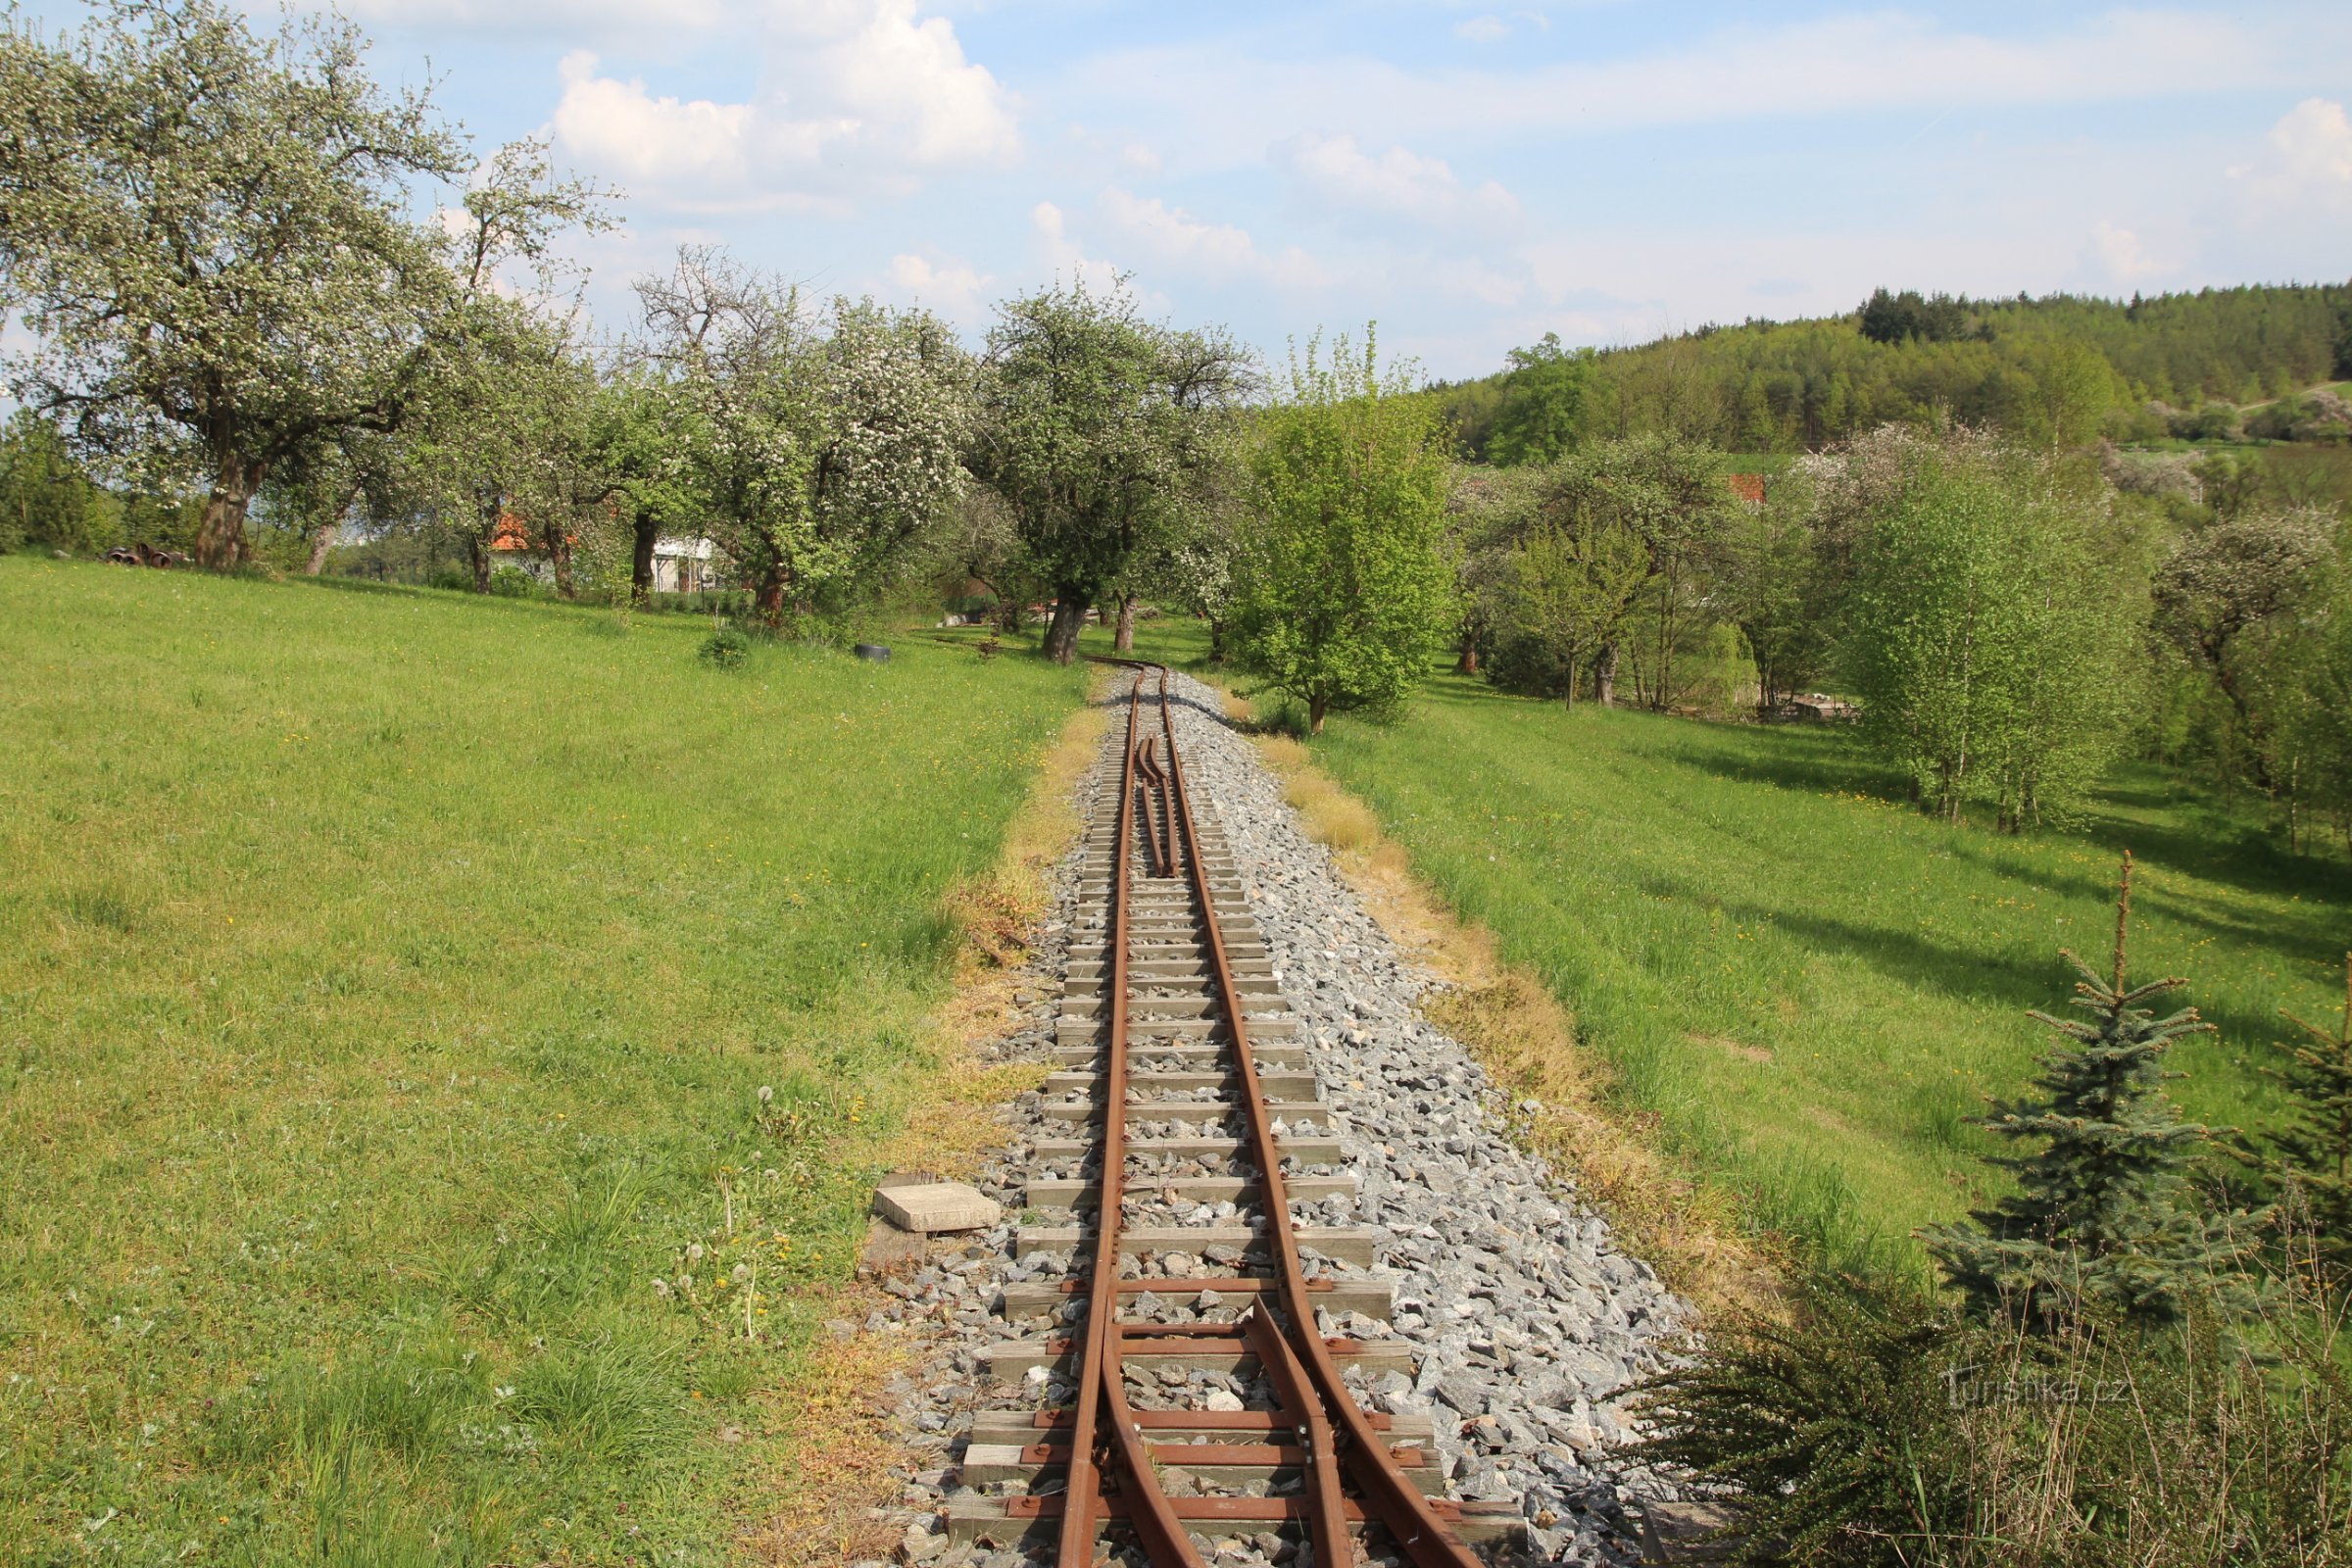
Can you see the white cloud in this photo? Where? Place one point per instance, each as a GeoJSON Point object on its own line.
{"type": "Point", "coordinates": [1230, 108]}
{"type": "Point", "coordinates": [1483, 29]}
{"type": "Point", "coordinates": [2306, 159]}
{"type": "Point", "coordinates": [1217, 252]}
{"type": "Point", "coordinates": [950, 285]}
{"type": "Point", "coordinates": [858, 95]}
{"type": "Point", "coordinates": [1066, 257]}
{"type": "Point", "coordinates": [2120, 254]}
{"type": "Point", "coordinates": [1397, 183]}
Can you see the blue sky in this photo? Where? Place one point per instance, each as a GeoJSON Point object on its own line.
{"type": "Point", "coordinates": [1471, 178]}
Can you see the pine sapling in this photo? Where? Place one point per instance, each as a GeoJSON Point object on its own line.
{"type": "Point", "coordinates": [2097, 1223]}
{"type": "Point", "coordinates": [2315, 1146]}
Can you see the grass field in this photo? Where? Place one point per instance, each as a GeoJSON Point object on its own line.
{"type": "Point", "coordinates": [1812, 984]}
{"type": "Point", "coordinates": [387, 980]}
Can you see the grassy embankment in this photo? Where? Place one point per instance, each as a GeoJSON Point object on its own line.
{"type": "Point", "coordinates": [387, 980]}
{"type": "Point", "coordinates": [1811, 985]}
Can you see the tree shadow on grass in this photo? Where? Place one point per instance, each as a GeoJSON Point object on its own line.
{"type": "Point", "coordinates": [2314, 934]}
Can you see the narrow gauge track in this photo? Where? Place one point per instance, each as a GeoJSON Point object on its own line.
{"type": "Point", "coordinates": [1158, 1021]}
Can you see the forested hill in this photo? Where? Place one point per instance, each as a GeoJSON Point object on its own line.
{"type": "Point", "coordinates": [2065, 367]}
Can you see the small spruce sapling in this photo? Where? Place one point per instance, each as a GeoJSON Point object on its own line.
{"type": "Point", "coordinates": [2097, 1221]}
{"type": "Point", "coordinates": [2315, 1148]}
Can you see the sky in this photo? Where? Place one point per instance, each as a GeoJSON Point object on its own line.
{"type": "Point", "coordinates": [1470, 178]}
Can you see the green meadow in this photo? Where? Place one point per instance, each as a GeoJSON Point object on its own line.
{"type": "Point", "coordinates": [1812, 985]}
{"type": "Point", "coordinates": [388, 980]}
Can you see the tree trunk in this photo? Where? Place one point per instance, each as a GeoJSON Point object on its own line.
{"type": "Point", "coordinates": [1008, 615]}
{"type": "Point", "coordinates": [1062, 632]}
{"type": "Point", "coordinates": [1604, 675]}
{"type": "Point", "coordinates": [641, 559]}
{"type": "Point", "coordinates": [1318, 706]}
{"type": "Point", "coordinates": [770, 602]}
{"type": "Point", "coordinates": [1124, 641]}
{"type": "Point", "coordinates": [1216, 641]}
{"type": "Point", "coordinates": [322, 541]}
{"type": "Point", "coordinates": [478, 548]}
{"type": "Point", "coordinates": [221, 537]}
{"type": "Point", "coordinates": [1466, 663]}
{"type": "Point", "coordinates": [559, 556]}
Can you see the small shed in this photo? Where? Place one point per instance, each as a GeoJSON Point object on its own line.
{"type": "Point", "coordinates": [685, 565]}
{"type": "Point", "coordinates": [1824, 708]}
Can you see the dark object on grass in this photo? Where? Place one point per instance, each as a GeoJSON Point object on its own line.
{"type": "Point", "coordinates": [872, 650]}
{"type": "Point", "coordinates": [139, 554]}
{"type": "Point", "coordinates": [725, 649]}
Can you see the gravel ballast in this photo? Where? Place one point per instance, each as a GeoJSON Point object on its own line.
{"type": "Point", "coordinates": [1525, 1319]}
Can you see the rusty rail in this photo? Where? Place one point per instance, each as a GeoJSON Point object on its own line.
{"type": "Point", "coordinates": [1350, 1473]}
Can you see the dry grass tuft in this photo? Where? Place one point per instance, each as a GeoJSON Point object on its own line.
{"type": "Point", "coordinates": [843, 1464]}
{"type": "Point", "coordinates": [1686, 1229]}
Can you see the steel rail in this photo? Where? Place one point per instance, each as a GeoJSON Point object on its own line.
{"type": "Point", "coordinates": [1334, 1436]}
{"type": "Point", "coordinates": [1101, 1377]}
{"type": "Point", "coordinates": [1385, 1491]}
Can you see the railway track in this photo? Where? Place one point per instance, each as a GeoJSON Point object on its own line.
{"type": "Point", "coordinates": [1195, 1405]}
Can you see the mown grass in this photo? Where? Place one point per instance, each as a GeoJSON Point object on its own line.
{"type": "Point", "coordinates": [1811, 985]}
{"type": "Point", "coordinates": [387, 980]}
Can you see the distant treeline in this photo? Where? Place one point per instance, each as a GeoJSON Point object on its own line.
{"type": "Point", "coordinates": [2064, 369]}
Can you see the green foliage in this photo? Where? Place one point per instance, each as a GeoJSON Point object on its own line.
{"type": "Point", "coordinates": [1838, 1432]}
{"type": "Point", "coordinates": [1099, 432]}
{"type": "Point", "coordinates": [1778, 580]}
{"type": "Point", "coordinates": [817, 442]}
{"type": "Point", "coordinates": [1900, 318]}
{"type": "Point", "coordinates": [725, 648]}
{"type": "Point", "coordinates": [513, 583]}
{"type": "Point", "coordinates": [2058, 369]}
{"type": "Point", "coordinates": [2313, 1143]}
{"type": "Point", "coordinates": [1610, 567]}
{"type": "Point", "coordinates": [1341, 589]}
{"type": "Point", "coordinates": [1878, 1431]}
{"type": "Point", "coordinates": [2100, 1216]}
{"type": "Point", "coordinates": [211, 234]}
{"type": "Point", "coordinates": [1543, 410]}
{"type": "Point", "coordinates": [1569, 585]}
{"type": "Point", "coordinates": [344, 1148]}
{"type": "Point", "coordinates": [46, 500]}
{"type": "Point", "coordinates": [1992, 626]}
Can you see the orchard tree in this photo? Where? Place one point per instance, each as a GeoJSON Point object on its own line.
{"type": "Point", "coordinates": [501, 444]}
{"type": "Point", "coordinates": [1100, 431]}
{"type": "Point", "coordinates": [2228, 598]}
{"type": "Point", "coordinates": [819, 441]}
{"type": "Point", "coordinates": [1669, 495]}
{"type": "Point", "coordinates": [1569, 583]}
{"type": "Point", "coordinates": [632, 430]}
{"type": "Point", "coordinates": [208, 234]}
{"type": "Point", "coordinates": [1489, 512]}
{"type": "Point", "coordinates": [1992, 623]}
{"type": "Point", "coordinates": [1343, 590]}
{"type": "Point", "coordinates": [1780, 585]}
